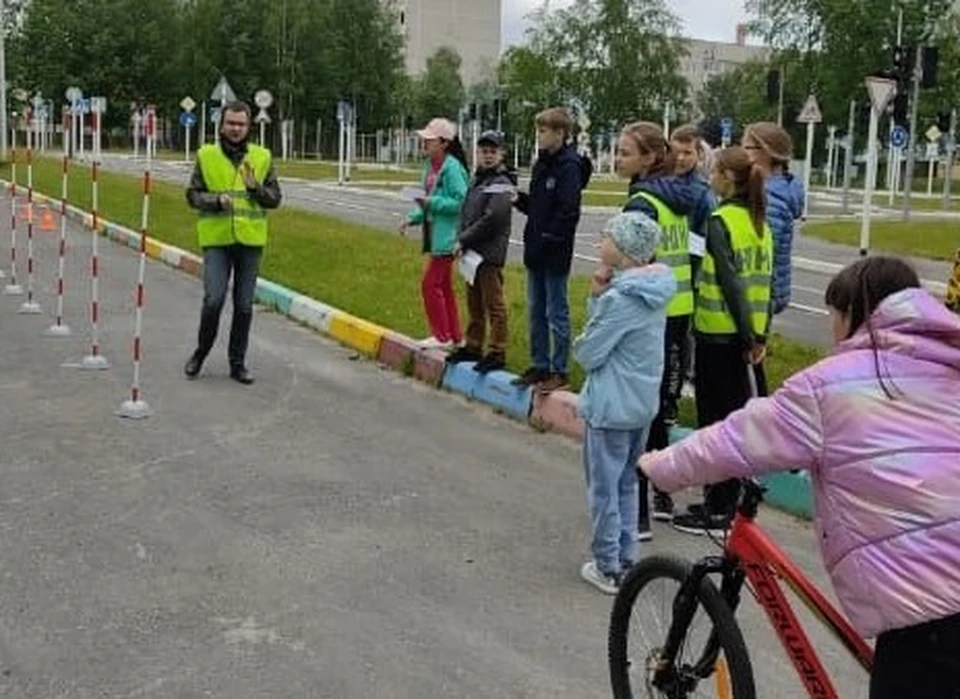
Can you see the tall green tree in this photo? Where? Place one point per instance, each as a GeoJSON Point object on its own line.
{"type": "Point", "coordinates": [439, 90]}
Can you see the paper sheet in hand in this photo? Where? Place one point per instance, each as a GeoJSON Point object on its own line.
{"type": "Point", "coordinates": [698, 245]}
{"type": "Point", "coordinates": [413, 193]}
{"type": "Point", "coordinates": [500, 188]}
{"type": "Point", "coordinates": [470, 261]}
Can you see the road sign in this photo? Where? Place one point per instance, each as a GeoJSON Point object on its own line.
{"type": "Point", "coordinates": [933, 151]}
{"type": "Point", "coordinates": [262, 117]}
{"type": "Point", "coordinates": [810, 114]}
{"type": "Point", "coordinates": [20, 94]}
{"type": "Point", "coordinates": [77, 107]}
{"type": "Point", "coordinates": [98, 105]}
{"type": "Point", "coordinates": [37, 101]}
{"type": "Point", "coordinates": [726, 129]}
{"type": "Point", "coordinates": [188, 119]}
{"type": "Point", "coordinates": [881, 90]}
{"type": "Point", "coordinates": [263, 99]}
{"type": "Point", "coordinates": [223, 92]}
{"type": "Point", "coordinates": [899, 137]}
{"type": "Point", "coordinates": [73, 94]}
{"type": "Point", "coordinates": [343, 111]}
{"type": "Point", "coordinates": [187, 104]}
{"type": "Point", "coordinates": [933, 133]}
{"type": "Point", "coordinates": [215, 115]}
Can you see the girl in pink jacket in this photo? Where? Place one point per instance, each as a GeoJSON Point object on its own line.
{"type": "Point", "coordinates": [877, 424]}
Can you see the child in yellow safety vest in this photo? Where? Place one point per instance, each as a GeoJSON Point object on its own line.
{"type": "Point", "coordinates": [732, 316]}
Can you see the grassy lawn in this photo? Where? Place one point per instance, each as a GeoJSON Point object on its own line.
{"type": "Point", "coordinates": [916, 203]}
{"type": "Point", "coordinates": [936, 240]}
{"type": "Point", "coordinates": [366, 271]}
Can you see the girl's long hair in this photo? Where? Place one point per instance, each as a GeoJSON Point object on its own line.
{"type": "Point", "coordinates": [649, 139]}
{"type": "Point", "coordinates": [455, 148]}
{"type": "Point", "coordinates": [748, 182]}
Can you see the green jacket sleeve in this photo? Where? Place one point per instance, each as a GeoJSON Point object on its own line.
{"type": "Point", "coordinates": [451, 191]}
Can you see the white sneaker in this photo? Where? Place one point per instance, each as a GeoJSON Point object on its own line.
{"type": "Point", "coordinates": [607, 584]}
{"type": "Point", "coordinates": [432, 343]}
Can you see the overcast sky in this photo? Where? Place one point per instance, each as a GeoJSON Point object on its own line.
{"type": "Point", "coordinates": [703, 19]}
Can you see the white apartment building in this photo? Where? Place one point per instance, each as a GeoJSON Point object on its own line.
{"type": "Point", "coordinates": [706, 59]}
{"type": "Point", "coordinates": [472, 27]}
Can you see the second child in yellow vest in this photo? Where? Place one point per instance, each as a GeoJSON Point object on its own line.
{"type": "Point", "coordinates": [644, 156]}
{"type": "Point", "coordinates": [732, 316]}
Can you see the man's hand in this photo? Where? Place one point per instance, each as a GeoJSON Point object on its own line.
{"type": "Point", "coordinates": [225, 202]}
{"type": "Point", "coordinates": [249, 179]}
{"type": "Point", "coordinates": [600, 281]}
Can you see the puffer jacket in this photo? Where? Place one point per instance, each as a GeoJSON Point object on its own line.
{"type": "Point", "coordinates": [784, 206]}
{"type": "Point", "coordinates": [485, 218]}
{"type": "Point", "coordinates": [885, 472]}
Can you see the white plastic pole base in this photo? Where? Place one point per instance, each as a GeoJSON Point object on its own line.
{"type": "Point", "coordinates": [134, 410]}
{"type": "Point", "coordinates": [94, 362]}
{"type": "Point", "coordinates": [30, 308]}
{"type": "Point", "coordinates": [13, 290]}
{"type": "Point", "coordinates": [59, 330]}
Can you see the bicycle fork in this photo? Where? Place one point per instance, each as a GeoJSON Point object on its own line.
{"type": "Point", "coordinates": [679, 682]}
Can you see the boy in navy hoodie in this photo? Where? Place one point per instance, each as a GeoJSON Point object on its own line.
{"type": "Point", "coordinates": [552, 208]}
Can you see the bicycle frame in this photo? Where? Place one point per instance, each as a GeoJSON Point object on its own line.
{"type": "Point", "coordinates": [763, 562]}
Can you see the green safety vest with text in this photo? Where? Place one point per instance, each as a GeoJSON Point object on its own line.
{"type": "Point", "coordinates": [674, 251]}
{"type": "Point", "coordinates": [246, 221]}
{"type": "Point", "coordinates": [753, 256]}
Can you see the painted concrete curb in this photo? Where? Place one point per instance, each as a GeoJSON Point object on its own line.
{"type": "Point", "coordinates": [556, 412]}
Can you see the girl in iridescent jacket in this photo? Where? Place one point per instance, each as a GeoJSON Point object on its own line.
{"type": "Point", "coordinates": [877, 424]}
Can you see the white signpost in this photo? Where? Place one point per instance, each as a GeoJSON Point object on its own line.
{"type": "Point", "coordinates": [188, 119]}
{"type": "Point", "coordinates": [222, 93]}
{"type": "Point", "coordinates": [73, 94]}
{"type": "Point", "coordinates": [811, 116]}
{"type": "Point", "coordinates": [881, 90]}
{"type": "Point", "coordinates": [98, 107]}
{"type": "Point", "coordinates": [831, 155]}
{"type": "Point", "coordinates": [263, 99]}
{"type": "Point", "coordinates": [933, 135]}
{"type": "Point", "coordinates": [343, 116]}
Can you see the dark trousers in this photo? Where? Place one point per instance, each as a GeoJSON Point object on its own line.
{"type": "Point", "coordinates": [674, 346]}
{"type": "Point", "coordinates": [918, 661]}
{"type": "Point", "coordinates": [549, 315]}
{"type": "Point", "coordinates": [485, 302]}
{"type": "Point", "coordinates": [218, 263]}
{"type": "Point", "coordinates": [722, 388]}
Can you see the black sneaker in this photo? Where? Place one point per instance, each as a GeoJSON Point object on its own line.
{"type": "Point", "coordinates": [702, 524]}
{"type": "Point", "coordinates": [192, 367]}
{"type": "Point", "coordinates": [531, 377]}
{"type": "Point", "coordinates": [491, 362]}
{"type": "Point", "coordinates": [463, 354]}
{"type": "Point", "coordinates": [662, 507]}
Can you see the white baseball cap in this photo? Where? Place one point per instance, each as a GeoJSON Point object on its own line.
{"type": "Point", "coordinates": [438, 128]}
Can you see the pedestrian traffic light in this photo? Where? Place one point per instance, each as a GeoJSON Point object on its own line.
{"type": "Point", "coordinates": [930, 62]}
{"type": "Point", "coordinates": [773, 86]}
{"type": "Point", "coordinates": [900, 61]}
{"type": "Point", "coordinates": [900, 104]}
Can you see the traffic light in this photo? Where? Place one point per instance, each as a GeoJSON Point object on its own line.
{"type": "Point", "coordinates": [900, 103]}
{"type": "Point", "coordinates": [773, 86]}
{"type": "Point", "coordinates": [900, 61]}
{"type": "Point", "coordinates": [930, 61]}
{"type": "Point", "coordinates": [943, 121]}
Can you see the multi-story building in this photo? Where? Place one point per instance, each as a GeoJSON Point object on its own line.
{"type": "Point", "coordinates": [706, 59]}
{"type": "Point", "coordinates": [472, 27]}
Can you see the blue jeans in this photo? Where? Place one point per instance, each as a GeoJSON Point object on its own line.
{"type": "Point", "coordinates": [218, 263]}
{"type": "Point", "coordinates": [610, 462]}
{"type": "Point", "coordinates": [549, 312]}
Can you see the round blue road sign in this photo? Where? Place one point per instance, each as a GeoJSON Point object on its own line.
{"type": "Point", "coordinates": [899, 137]}
{"type": "Point", "coordinates": [188, 119]}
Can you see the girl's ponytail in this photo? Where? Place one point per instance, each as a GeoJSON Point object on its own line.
{"type": "Point", "coordinates": [455, 148]}
{"type": "Point", "coordinates": [757, 198]}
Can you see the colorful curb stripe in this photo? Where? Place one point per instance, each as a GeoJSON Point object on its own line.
{"type": "Point", "coordinates": [556, 412]}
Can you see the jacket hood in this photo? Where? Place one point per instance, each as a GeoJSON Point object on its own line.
{"type": "Point", "coordinates": [914, 323]}
{"type": "Point", "coordinates": [500, 171]}
{"type": "Point", "coordinates": [787, 189]}
{"type": "Point", "coordinates": [651, 285]}
{"type": "Point", "coordinates": [675, 192]}
{"type": "Point", "coordinates": [569, 154]}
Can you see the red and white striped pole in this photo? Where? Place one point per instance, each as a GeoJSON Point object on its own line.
{"type": "Point", "coordinates": [30, 306]}
{"type": "Point", "coordinates": [59, 328]}
{"type": "Point", "coordinates": [137, 408]}
{"type": "Point", "coordinates": [94, 360]}
{"type": "Point", "coordinates": [13, 288]}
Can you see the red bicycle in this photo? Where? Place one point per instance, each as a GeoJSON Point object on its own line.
{"type": "Point", "coordinates": [675, 665]}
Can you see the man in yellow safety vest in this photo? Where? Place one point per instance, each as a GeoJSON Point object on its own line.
{"type": "Point", "coordinates": [232, 187]}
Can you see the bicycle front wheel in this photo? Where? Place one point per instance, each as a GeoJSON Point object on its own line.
{"type": "Point", "coordinates": [712, 660]}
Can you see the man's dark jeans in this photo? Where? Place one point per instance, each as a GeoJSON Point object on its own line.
{"type": "Point", "coordinates": [218, 263]}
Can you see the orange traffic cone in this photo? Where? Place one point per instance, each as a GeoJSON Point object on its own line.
{"type": "Point", "coordinates": [47, 222]}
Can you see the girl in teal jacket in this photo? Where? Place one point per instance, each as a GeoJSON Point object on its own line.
{"type": "Point", "coordinates": [445, 182]}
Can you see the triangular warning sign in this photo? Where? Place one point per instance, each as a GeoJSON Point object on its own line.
{"type": "Point", "coordinates": [810, 114]}
{"type": "Point", "coordinates": [881, 90]}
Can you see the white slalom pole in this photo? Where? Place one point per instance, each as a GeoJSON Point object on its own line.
{"type": "Point", "coordinates": [30, 306]}
{"type": "Point", "coordinates": [136, 408]}
{"type": "Point", "coordinates": [59, 328]}
{"type": "Point", "coordinates": [13, 288]}
{"type": "Point", "coordinates": [94, 361]}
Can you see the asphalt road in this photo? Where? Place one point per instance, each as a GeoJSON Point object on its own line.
{"type": "Point", "coordinates": [335, 530]}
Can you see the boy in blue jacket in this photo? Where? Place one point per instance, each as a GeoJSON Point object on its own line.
{"type": "Point", "coordinates": [621, 349]}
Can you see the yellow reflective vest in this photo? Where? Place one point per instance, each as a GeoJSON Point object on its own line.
{"type": "Point", "coordinates": [674, 251]}
{"type": "Point", "coordinates": [245, 221]}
